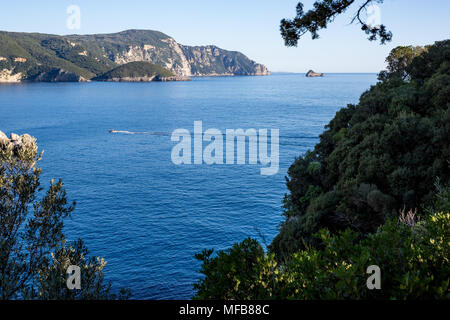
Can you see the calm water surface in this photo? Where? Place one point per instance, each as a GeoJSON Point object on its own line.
{"type": "Point", "coordinates": [146, 216]}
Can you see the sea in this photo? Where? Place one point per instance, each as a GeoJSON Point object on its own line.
{"type": "Point", "coordinates": [112, 145]}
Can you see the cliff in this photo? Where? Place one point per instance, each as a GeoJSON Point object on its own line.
{"type": "Point", "coordinates": [211, 60]}
{"type": "Point", "coordinates": [31, 56]}
{"type": "Point", "coordinates": [7, 76]}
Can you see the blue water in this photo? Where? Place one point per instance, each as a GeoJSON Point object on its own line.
{"type": "Point", "coordinates": [146, 216]}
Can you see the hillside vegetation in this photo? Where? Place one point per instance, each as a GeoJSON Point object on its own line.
{"type": "Point", "coordinates": [35, 254]}
{"type": "Point", "coordinates": [374, 191]}
{"type": "Point", "coordinates": [377, 157]}
{"type": "Point", "coordinates": [32, 54]}
{"type": "Point", "coordinates": [90, 56]}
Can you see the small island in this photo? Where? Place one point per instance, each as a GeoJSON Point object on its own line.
{"type": "Point", "coordinates": [311, 73]}
{"type": "Point", "coordinates": [139, 71]}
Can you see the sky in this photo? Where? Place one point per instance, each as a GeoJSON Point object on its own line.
{"type": "Point", "coordinates": [248, 26]}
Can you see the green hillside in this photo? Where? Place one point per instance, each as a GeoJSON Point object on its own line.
{"type": "Point", "coordinates": [374, 192]}
{"type": "Point", "coordinates": [39, 57]}
{"type": "Point", "coordinates": [90, 56]}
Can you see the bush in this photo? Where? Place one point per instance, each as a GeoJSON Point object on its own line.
{"type": "Point", "coordinates": [34, 254]}
{"type": "Point", "coordinates": [353, 201]}
{"type": "Point", "coordinates": [242, 272]}
{"type": "Point", "coordinates": [377, 157]}
{"type": "Point", "coordinates": [413, 260]}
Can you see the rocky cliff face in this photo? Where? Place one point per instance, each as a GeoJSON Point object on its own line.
{"type": "Point", "coordinates": [191, 61]}
{"type": "Point", "coordinates": [15, 143]}
{"type": "Point", "coordinates": [211, 60]}
{"type": "Point", "coordinates": [170, 57]}
{"type": "Point", "coordinates": [158, 48]}
{"type": "Point", "coordinates": [8, 76]}
{"type": "Point", "coordinates": [32, 56]}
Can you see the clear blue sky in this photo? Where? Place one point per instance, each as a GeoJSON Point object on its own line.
{"type": "Point", "coordinates": [249, 26]}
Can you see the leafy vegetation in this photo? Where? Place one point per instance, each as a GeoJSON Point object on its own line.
{"type": "Point", "coordinates": [34, 254]}
{"type": "Point", "coordinates": [135, 70]}
{"type": "Point", "coordinates": [399, 61]}
{"type": "Point", "coordinates": [76, 54]}
{"type": "Point", "coordinates": [413, 260]}
{"type": "Point", "coordinates": [375, 158]}
{"type": "Point", "coordinates": [354, 201]}
{"type": "Point", "coordinates": [324, 12]}
{"type": "Point", "coordinates": [39, 58]}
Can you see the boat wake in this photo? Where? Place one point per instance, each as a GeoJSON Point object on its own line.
{"type": "Point", "coordinates": [142, 132]}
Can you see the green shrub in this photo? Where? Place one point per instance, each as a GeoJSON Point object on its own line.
{"type": "Point", "coordinates": [353, 200]}
{"type": "Point", "coordinates": [413, 258]}
{"type": "Point", "coordinates": [377, 157]}
{"type": "Point", "coordinates": [243, 272]}
{"type": "Point", "coordinates": [34, 253]}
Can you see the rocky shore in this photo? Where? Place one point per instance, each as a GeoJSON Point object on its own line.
{"type": "Point", "coordinates": [16, 143]}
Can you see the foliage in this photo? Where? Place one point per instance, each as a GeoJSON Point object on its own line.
{"type": "Point", "coordinates": [39, 58]}
{"type": "Point", "coordinates": [354, 200]}
{"type": "Point", "coordinates": [442, 198]}
{"type": "Point", "coordinates": [52, 276]}
{"type": "Point", "coordinates": [399, 62]}
{"type": "Point", "coordinates": [377, 157]}
{"type": "Point", "coordinates": [413, 261]}
{"type": "Point", "coordinates": [242, 272]}
{"type": "Point", "coordinates": [324, 12]}
{"type": "Point", "coordinates": [33, 250]}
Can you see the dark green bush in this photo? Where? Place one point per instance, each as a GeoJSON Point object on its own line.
{"type": "Point", "coordinates": [413, 258]}
{"type": "Point", "coordinates": [354, 200]}
{"type": "Point", "coordinates": [377, 157]}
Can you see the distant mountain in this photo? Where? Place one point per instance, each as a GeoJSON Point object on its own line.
{"type": "Point", "coordinates": [34, 56]}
